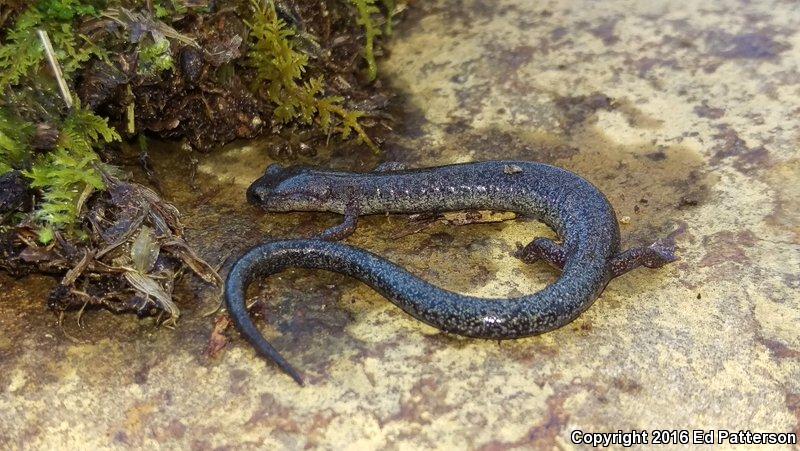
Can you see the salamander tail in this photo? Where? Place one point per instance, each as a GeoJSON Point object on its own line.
{"type": "Point", "coordinates": [237, 309]}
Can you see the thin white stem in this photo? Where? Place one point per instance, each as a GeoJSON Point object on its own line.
{"type": "Point", "coordinates": [51, 58]}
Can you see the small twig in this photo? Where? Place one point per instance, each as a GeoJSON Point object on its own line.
{"type": "Point", "coordinates": [222, 261]}
{"type": "Point", "coordinates": [80, 314]}
{"type": "Point", "coordinates": [70, 337]}
{"type": "Point", "coordinates": [72, 275]}
{"type": "Point", "coordinates": [222, 285]}
{"type": "Point", "coordinates": [87, 191]}
{"type": "Point", "coordinates": [51, 58]}
{"type": "Point", "coordinates": [130, 111]}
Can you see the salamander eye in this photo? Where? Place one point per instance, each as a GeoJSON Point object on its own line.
{"type": "Point", "coordinates": [273, 169]}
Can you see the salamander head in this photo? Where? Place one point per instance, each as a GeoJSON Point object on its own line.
{"type": "Point", "coordinates": [294, 188]}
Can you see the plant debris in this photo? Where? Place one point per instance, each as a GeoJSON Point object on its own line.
{"type": "Point", "coordinates": [217, 341]}
{"type": "Point", "coordinates": [129, 261]}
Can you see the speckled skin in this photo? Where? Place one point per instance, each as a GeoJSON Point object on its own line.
{"type": "Point", "coordinates": [573, 207]}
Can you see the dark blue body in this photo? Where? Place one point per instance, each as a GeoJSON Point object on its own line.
{"type": "Point", "coordinates": [573, 207]}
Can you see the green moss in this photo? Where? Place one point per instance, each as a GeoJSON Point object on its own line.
{"type": "Point", "coordinates": [68, 175]}
{"type": "Point", "coordinates": [22, 53]}
{"type": "Point", "coordinates": [14, 136]}
{"type": "Point", "coordinates": [281, 75]}
{"type": "Point", "coordinates": [366, 8]}
{"type": "Point", "coordinates": [168, 8]}
{"type": "Point", "coordinates": [391, 7]}
{"type": "Point", "coordinates": [155, 58]}
{"type": "Point", "coordinates": [66, 10]}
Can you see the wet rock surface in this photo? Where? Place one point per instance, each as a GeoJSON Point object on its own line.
{"type": "Point", "coordinates": [685, 117]}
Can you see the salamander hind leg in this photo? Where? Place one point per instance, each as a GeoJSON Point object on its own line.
{"type": "Point", "coordinates": [655, 255]}
{"type": "Point", "coordinates": [543, 249]}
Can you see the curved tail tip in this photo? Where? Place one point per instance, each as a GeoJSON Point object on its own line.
{"type": "Point", "coordinates": [295, 375]}
{"type": "Point", "coordinates": [287, 368]}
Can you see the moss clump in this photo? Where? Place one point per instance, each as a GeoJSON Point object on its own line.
{"type": "Point", "coordinates": [22, 52]}
{"type": "Point", "coordinates": [14, 136]}
{"type": "Point", "coordinates": [168, 8]}
{"type": "Point", "coordinates": [62, 170]}
{"type": "Point", "coordinates": [282, 69]}
{"type": "Point", "coordinates": [155, 58]}
{"type": "Point", "coordinates": [366, 9]}
{"type": "Point", "coordinates": [68, 175]}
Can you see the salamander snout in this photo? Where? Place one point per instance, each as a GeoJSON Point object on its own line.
{"type": "Point", "coordinates": [252, 194]}
{"type": "Point", "coordinates": [259, 190]}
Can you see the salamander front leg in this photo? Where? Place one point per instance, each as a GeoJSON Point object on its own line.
{"type": "Point", "coordinates": [655, 255]}
{"type": "Point", "coordinates": [343, 230]}
{"type": "Point", "coordinates": [543, 249]}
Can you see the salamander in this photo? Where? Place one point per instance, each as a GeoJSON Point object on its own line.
{"type": "Point", "coordinates": [588, 253]}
